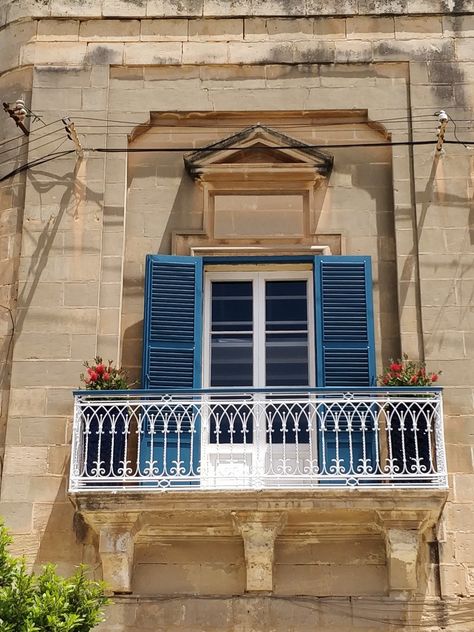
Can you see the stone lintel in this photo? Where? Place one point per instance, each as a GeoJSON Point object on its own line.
{"type": "Point", "coordinates": [259, 530]}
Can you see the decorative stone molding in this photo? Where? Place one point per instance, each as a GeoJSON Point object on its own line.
{"type": "Point", "coordinates": [259, 530]}
{"type": "Point", "coordinates": [272, 155]}
{"type": "Point", "coordinates": [261, 189]}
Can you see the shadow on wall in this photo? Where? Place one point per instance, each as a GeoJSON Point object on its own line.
{"type": "Point", "coordinates": [155, 238]}
{"type": "Point", "coordinates": [64, 537]}
{"type": "Point", "coordinates": [75, 194]}
{"type": "Point", "coordinates": [370, 172]}
{"type": "Point", "coordinates": [430, 196]}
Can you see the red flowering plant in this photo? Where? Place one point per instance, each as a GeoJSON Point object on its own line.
{"type": "Point", "coordinates": [405, 372]}
{"type": "Point", "coordinates": [101, 376]}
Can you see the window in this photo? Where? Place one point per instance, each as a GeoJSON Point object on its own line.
{"type": "Point", "coordinates": [338, 330]}
{"type": "Point", "coordinates": [299, 324]}
{"type": "Point", "coordinates": [258, 329]}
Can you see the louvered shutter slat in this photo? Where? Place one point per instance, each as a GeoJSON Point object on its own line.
{"type": "Point", "coordinates": [172, 324]}
{"type": "Point", "coordinates": [344, 316]}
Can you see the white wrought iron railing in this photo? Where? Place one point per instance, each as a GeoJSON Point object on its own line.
{"type": "Point", "coordinates": [257, 439]}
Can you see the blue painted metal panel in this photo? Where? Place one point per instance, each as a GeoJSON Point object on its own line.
{"type": "Point", "coordinates": [154, 392]}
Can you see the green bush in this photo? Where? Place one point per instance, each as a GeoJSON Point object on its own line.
{"type": "Point", "coordinates": [45, 602]}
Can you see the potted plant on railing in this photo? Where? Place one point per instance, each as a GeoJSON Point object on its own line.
{"type": "Point", "coordinates": [104, 425]}
{"type": "Point", "coordinates": [409, 424]}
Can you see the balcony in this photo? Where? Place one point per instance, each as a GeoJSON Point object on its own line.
{"type": "Point", "coordinates": [257, 440]}
{"type": "Point", "coordinates": [259, 465]}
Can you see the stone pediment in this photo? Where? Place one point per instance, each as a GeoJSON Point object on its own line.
{"type": "Point", "coordinates": [258, 152]}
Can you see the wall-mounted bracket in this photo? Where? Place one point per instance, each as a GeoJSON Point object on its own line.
{"type": "Point", "coordinates": [259, 530]}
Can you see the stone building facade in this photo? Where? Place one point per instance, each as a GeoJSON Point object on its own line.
{"type": "Point", "coordinates": [326, 106]}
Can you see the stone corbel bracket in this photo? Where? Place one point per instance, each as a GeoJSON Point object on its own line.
{"type": "Point", "coordinates": [117, 534]}
{"type": "Point", "coordinates": [259, 530]}
{"type": "Point", "coordinates": [403, 533]}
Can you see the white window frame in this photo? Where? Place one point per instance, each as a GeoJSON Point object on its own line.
{"type": "Point", "coordinates": [258, 279]}
{"type": "Point", "coordinates": [227, 465]}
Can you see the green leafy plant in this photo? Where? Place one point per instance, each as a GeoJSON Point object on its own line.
{"type": "Point", "coordinates": [102, 376]}
{"type": "Point", "coordinates": [405, 372]}
{"type": "Point", "coordinates": [46, 602]}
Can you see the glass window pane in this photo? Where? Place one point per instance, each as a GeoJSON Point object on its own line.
{"type": "Point", "coordinates": [286, 360]}
{"type": "Point", "coordinates": [231, 306]}
{"type": "Point", "coordinates": [286, 305]}
{"type": "Point", "coordinates": [231, 360]}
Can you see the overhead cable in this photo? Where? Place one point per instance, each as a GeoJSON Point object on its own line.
{"type": "Point", "coordinates": [132, 150]}
{"type": "Point", "coordinates": [35, 163]}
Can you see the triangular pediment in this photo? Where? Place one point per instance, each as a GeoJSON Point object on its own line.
{"type": "Point", "coordinates": [253, 148]}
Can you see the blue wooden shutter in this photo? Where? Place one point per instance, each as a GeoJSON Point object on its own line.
{"type": "Point", "coordinates": [172, 323]}
{"type": "Point", "coordinates": [345, 358]}
{"type": "Point", "coordinates": [344, 321]}
{"type": "Point", "coordinates": [170, 453]}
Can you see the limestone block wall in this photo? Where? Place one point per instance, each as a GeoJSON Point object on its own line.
{"type": "Point", "coordinates": [12, 192]}
{"type": "Point", "coordinates": [73, 232]}
{"type": "Point", "coordinates": [218, 568]}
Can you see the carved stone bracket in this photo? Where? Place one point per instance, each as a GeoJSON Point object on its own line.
{"type": "Point", "coordinates": [259, 531]}
{"type": "Point", "coordinates": [402, 547]}
{"type": "Point", "coordinates": [116, 547]}
{"type": "Point", "coordinates": [403, 537]}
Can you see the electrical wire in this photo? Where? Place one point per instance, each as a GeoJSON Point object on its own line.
{"type": "Point", "coordinates": [34, 140]}
{"type": "Point", "coordinates": [424, 123]}
{"type": "Point", "coordinates": [215, 146]}
{"type": "Point", "coordinates": [10, 140]}
{"type": "Point", "coordinates": [308, 602]}
{"type": "Point", "coordinates": [398, 118]}
{"type": "Point", "coordinates": [93, 131]}
{"type": "Point", "coordinates": [35, 163]}
{"type": "Point", "coordinates": [27, 150]}
{"type": "Point", "coordinates": [22, 136]}
{"type": "Point", "coordinates": [308, 126]}
{"type": "Point", "coordinates": [454, 132]}
{"type": "Point", "coordinates": [209, 149]}
{"type": "Point", "coordinates": [422, 118]}
{"type": "Point", "coordinates": [443, 614]}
